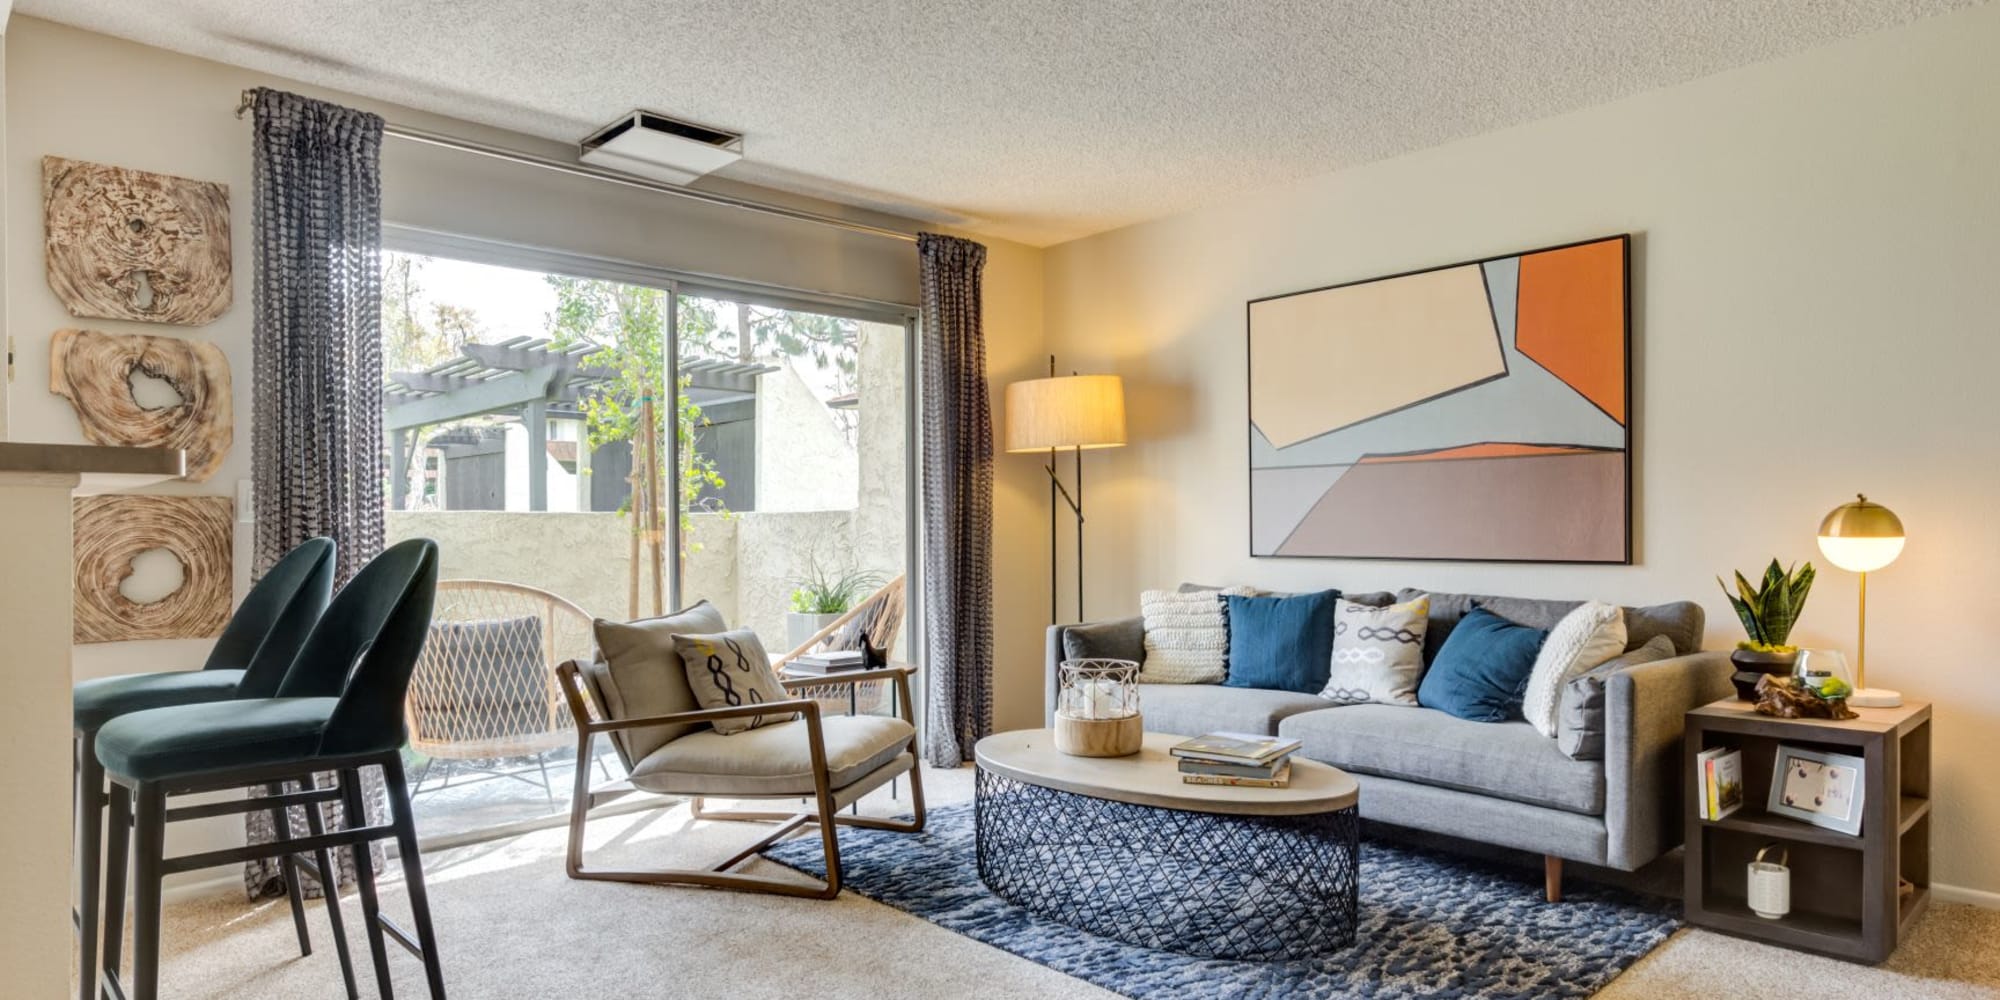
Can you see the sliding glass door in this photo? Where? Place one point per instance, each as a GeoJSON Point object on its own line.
{"type": "Point", "coordinates": [588, 439]}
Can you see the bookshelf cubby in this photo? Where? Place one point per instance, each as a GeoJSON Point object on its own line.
{"type": "Point", "coordinates": [1848, 899]}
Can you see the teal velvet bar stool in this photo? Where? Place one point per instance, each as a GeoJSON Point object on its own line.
{"type": "Point", "coordinates": [338, 710]}
{"type": "Point", "coordinates": [249, 660]}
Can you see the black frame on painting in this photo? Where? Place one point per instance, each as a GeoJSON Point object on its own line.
{"type": "Point", "coordinates": [1630, 423]}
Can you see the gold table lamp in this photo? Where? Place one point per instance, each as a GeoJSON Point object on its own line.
{"type": "Point", "coordinates": [1862, 536]}
{"type": "Point", "coordinates": [1076, 412]}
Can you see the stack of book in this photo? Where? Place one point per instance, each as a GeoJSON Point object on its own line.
{"type": "Point", "coordinates": [1721, 773]}
{"type": "Point", "coordinates": [831, 662]}
{"type": "Point", "coordinates": [1236, 759]}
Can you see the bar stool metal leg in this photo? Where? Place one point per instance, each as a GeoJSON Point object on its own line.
{"type": "Point", "coordinates": [405, 821]}
{"type": "Point", "coordinates": [288, 869]}
{"type": "Point", "coordinates": [356, 815]}
{"type": "Point", "coordinates": [149, 846]}
{"type": "Point", "coordinates": [90, 863]}
{"type": "Point", "coordinates": [118, 861]}
{"type": "Point", "coordinates": [329, 887]}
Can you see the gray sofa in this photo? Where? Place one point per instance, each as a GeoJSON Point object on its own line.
{"type": "Point", "coordinates": [1497, 783]}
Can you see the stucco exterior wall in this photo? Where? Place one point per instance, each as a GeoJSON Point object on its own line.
{"type": "Point", "coordinates": [746, 564]}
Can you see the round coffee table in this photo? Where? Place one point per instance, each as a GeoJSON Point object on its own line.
{"type": "Point", "coordinates": [1121, 847]}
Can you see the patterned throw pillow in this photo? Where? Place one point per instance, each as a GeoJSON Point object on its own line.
{"type": "Point", "coordinates": [729, 670]}
{"type": "Point", "coordinates": [1187, 636]}
{"type": "Point", "coordinates": [1378, 653]}
{"type": "Point", "coordinates": [1586, 637]}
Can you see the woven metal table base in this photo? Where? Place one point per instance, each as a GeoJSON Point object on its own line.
{"type": "Point", "coordinates": [1204, 884]}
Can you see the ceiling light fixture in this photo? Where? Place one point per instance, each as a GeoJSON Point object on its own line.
{"type": "Point", "coordinates": [652, 145]}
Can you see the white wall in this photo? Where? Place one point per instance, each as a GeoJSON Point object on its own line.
{"type": "Point", "coordinates": [1815, 313]}
{"type": "Point", "coordinates": [804, 461]}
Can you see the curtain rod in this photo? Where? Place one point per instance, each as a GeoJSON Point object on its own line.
{"type": "Point", "coordinates": [476, 148]}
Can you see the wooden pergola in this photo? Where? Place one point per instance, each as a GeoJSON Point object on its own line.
{"type": "Point", "coordinates": [534, 381]}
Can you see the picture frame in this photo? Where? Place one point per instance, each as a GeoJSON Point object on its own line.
{"type": "Point", "coordinates": [1824, 789]}
{"type": "Point", "coordinates": [1471, 412]}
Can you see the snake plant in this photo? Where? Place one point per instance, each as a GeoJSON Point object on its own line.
{"type": "Point", "coordinates": [1769, 610]}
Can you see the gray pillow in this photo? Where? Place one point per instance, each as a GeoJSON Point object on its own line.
{"type": "Point", "coordinates": [1373, 598]}
{"type": "Point", "coordinates": [646, 675]}
{"type": "Point", "coordinates": [1680, 621]}
{"type": "Point", "coordinates": [1124, 639]}
{"type": "Point", "coordinates": [1580, 725]}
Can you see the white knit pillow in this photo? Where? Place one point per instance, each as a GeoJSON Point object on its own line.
{"type": "Point", "coordinates": [1187, 637]}
{"type": "Point", "coordinates": [1586, 637]}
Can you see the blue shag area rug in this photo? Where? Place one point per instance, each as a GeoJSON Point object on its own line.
{"type": "Point", "coordinates": [1432, 925]}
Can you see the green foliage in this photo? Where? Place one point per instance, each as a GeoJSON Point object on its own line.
{"type": "Point", "coordinates": [417, 333]}
{"type": "Point", "coordinates": [1769, 610]}
{"type": "Point", "coordinates": [630, 321]}
{"type": "Point", "coordinates": [821, 593]}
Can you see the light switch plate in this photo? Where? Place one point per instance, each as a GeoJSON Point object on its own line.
{"type": "Point", "coordinates": [246, 510]}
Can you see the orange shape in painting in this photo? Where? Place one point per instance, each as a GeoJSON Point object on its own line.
{"type": "Point", "coordinates": [1570, 318]}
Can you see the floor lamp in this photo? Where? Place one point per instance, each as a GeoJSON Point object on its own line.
{"type": "Point", "coordinates": [1074, 412]}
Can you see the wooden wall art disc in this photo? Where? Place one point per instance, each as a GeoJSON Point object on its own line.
{"type": "Point", "coordinates": [126, 244]}
{"type": "Point", "coordinates": [111, 530]}
{"type": "Point", "coordinates": [93, 370]}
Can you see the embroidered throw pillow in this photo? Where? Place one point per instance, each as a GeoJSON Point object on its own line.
{"type": "Point", "coordinates": [1378, 653]}
{"type": "Point", "coordinates": [1584, 638]}
{"type": "Point", "coordinates": [728, 670]}
{"type": "Point", "coordinates": [1187, 636]}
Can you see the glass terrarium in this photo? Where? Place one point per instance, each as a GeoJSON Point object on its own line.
{"type": "Point", "coordinates": [1825, 671]}
{"type": "Point", "coordinates": [1097, 708]}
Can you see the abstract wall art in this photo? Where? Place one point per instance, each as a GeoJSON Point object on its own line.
{"type": "Point", "coordinates": [127, 244]}
{"type": "Point", "coordinates": [1479, 412]}
{"type": "Point", "coordinates": [114, 529]}
{"type": "Point", "coordinates": [96, 372]}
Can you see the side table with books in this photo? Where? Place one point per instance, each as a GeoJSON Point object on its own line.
{"type": "Point", "coordinates": [1808, 833]}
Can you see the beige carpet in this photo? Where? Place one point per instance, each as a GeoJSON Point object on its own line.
{"type": "Point", "coordinates": [513, 927]}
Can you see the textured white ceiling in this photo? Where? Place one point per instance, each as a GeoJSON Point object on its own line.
{"type": "Point", "coordinates": [1036, 120]}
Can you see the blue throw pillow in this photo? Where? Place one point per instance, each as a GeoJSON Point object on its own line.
{"type": "Point", "coordinates": [1482, 670]}
{"type": "Point", "coordinates": [1281, 643]}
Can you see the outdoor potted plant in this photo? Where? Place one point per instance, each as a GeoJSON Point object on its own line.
{"type": "Point", "coordinates": [1768, 611]}
{"type": "Point", "coordinates": [820, 599]}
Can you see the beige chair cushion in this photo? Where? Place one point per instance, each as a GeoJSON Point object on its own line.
{"type": "Point", "coordinates": [772, 760]}
{"type": "Point", "coordinates": [731, 670]}
{"type": "Point", "coordinates": [645, 674]}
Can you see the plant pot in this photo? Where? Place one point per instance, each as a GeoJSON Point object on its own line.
{"type": "Point", "coordinates": [800, 626]}
{"type": "Point", "coordinates": [1752, 664]}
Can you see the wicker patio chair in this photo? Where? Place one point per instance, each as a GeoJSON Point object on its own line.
{"type": "Point", "coordinates": [880, 618]}
{"type": "Point", "coordinates": [485, 687]}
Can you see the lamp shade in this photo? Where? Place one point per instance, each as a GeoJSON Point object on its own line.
{"type": "Point", "coordinates": [1071, 411]}
{"type": "Point", "coordinates": [1861, 536]}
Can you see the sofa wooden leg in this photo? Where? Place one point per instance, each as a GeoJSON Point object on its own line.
{"type": "Point", "coordinates": [1552, 877]}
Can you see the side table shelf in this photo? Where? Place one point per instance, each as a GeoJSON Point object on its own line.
{"type": "Point", "coordinates": [1849, 898]}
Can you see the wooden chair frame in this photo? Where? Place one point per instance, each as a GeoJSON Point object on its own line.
{"type": "Point", "coordinates": [826, 800]}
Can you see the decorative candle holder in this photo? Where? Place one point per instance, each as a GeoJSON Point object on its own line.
{"type": "Point", "coordinates": [1097, 708]}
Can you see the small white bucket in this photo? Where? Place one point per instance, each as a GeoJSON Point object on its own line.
{"type": "Point", "coordinates": [1770, 884]}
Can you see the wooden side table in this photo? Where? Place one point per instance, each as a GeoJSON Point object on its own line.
{"type": "Point", "coordinates": [1849, 898]}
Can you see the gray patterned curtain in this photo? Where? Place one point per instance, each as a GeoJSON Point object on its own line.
{"type": "Point", "coordinates": [958, 502]}
{"type": "Point", "coordinates": [316, 429]}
